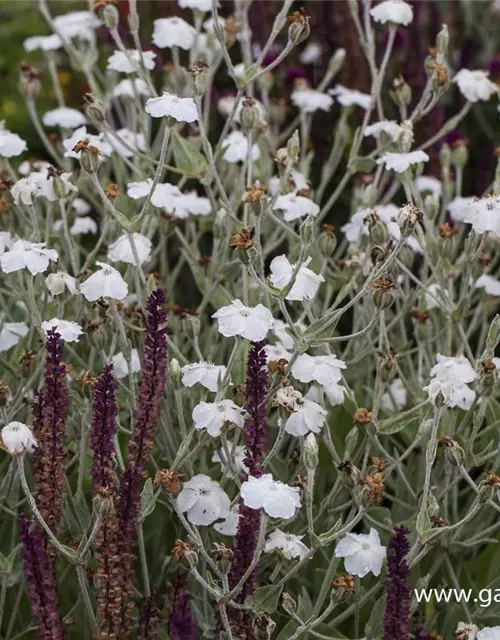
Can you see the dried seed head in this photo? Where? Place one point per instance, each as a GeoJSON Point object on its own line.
{"type": "Point", "coordinates": [446, 231]}
{"type": "Point", "coordinates": [452, 451]}
{"type": "Point", "coordinates": [185, 552]}
{"type": "Point", "coordinates": [420, 316]}
{"type": "Point", "coordinates": [241, 240]}
{"type": "Point", "coordinates": [223, 557]}
{"type": "Point", "coordinates": [112, 191]}
{"type": "Point", "coordinates": [288, 603]}
{"type": "Point", "coordinates": [383, 292]}
{"type": "Point", "coordinates": [372, 491]}
{"type": "Point", "coordinates": [4, 394]}
{"type": "Point", "coordinates": [255, 192]}
{"type": "Point", "coordinates": [362, 416]}
{"type": "Point", "coordinates": [89, 379]}
{"type": "Point", "coordinates": [170, 480]}
{"type": "Point", "coordinates": [439, 522]}
{"type": "Point", "coordinates": [343, 586]}
{"type": "Point", "coordinates": [299, 27]}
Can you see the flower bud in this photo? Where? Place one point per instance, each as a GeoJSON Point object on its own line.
{"type": "Point", "coordinates": [299, 28]}
{"type": "Point", "coordinates": [453, 452]}
{"type": "Point", "coordinates": [89, 156]}
{"type": "Point", "coordinates": [336, 62]}
{"type": "Point", "coordinates": [327, 240]}
{"type": "Point", "coordinates": [460, 154]}
{"type": "Point", "coordinates": [175, 372]}
{"type": "Point", "coordinates": [293, 147]}
{"type": "Point", "coordinates": [263, 627]}
{"type": "Point", "coordinates": [223, 557]}
{"type": "Point", "coordinates": [387, 366]}
{"type": "Point", "coordinates": [401, 92]}
{"type": "Point", "coordinates": [110, 16]}
{"type": "Point", "coordinates": [94, 108]}
{"type": "Point", "coordinates": [487, 377]}
{"type": "Point", "coordinates": [431, 205]}
{"type": "Point", "coordinates": [349, 474]}
{"type": "Point", "coordinates": [29, 80]}
{"type": "Point", "coordinates": [306, 231]}
{"type": "Point", "coordinates": [288, 603]}
{"type": "Point", "coordinates": [493, 335]}
{"type": "Point", "coordinates": [378, 231]}
{"type": "Point", "coordinates": [445, 156]}
{"type": "Point", "coordinates": [249, 116]}
{"type": "Point", "coordinates": [198, 72]}
{"type": "Point", "coordinates": [311, 451]}
{"type": "Point", "coordinates": [192, 326]}
{"type": "Point", "coordinates": [443, 40]}
{"type": "Point", "coordinates": [383, 292]}
{"type": "Point", "coordinates": [102, 505]}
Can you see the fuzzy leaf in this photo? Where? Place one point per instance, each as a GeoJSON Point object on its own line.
{"type": "Point", "coordinates": [188, 157]}
{"type": "Point", "coordinates": [148, 500]}
{"type": "Point", "coordinates": [265, 599]}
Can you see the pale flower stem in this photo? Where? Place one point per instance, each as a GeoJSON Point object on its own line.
{"type": "Point", "coordinates": [430, 456]}
{"type": "Point", "coordinates": [33, 114]}
{"type": "Point", "coordinates": [84, 588]}
{"type": "Point", "coordinates": [72, 250]}
{"type": "Point", "coordinates": [144, 562]}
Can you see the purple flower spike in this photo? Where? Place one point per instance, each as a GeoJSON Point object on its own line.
{"type": "Point", "coordinates": [256, 431]}
{"type": "Point", "coordinates": [37, 569]}
{"type": "Point", "coordinates": [104, 430]}
{"type": "Point", "coordinates": [181, 622]}
{"type": "Point", "coordinates": [50, 410]}
{"type": "Point", "coordinates": [397, 606]}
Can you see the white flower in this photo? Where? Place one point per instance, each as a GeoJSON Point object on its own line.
{"type": "Point", "coordinates": [187, 204]}
{"type": "Point", "coordinates": [27, 255]}
{"type": "Point", "coordinates": [356, 226]}
{"type": "Point", "coordinates": [395, 11]}
{"type": "Point", "coordinates": [334, 393]}
{"type": "Point", "coordinates": [130, 62]}
{"type": "Point", "coordinates": [76, 24]}
{"type": "Point", "coordinates": [311, 53]}
{"type": "Point", "coordinates": [484, 215]}
{"type": "Point", "coordinates": [138, 190]}
{"type": "Point", "coordinates": [122, 250]}
{"type": "Point", "coordinates": [11, 145]}
{"type": "Point", "coordinates": [235, 147]}
{"type": "Point", "coordinates": [475, 85]}
{"type": "Point", "coordinates": [64, 117]}
{"type": "Point", "coordinates": [238, 458]}
{"type": "Point", "coordinates": [120, 364]}
{"type": "Point", "coordinates": [400, 162]}
{"type": "Point", "coordinates": [27, 166]}
{"type": "Point", "coordinates": [290, 545]}
{"type": "Point", "coordinates": [105, 283]}
{"type": "Point", "coordinates": [436, 298]}
{"type": "Point", "coordinates": [307, 416]}
{"type": "Point", "coordinates": [195, 5]}
{"type": "Point", "coordinates": [17, 438]}
{"type": "Point", "coordinates": [105, 149]}
{"type": "Point", "coordinates": [203, 500]}
{"type": "Point", "coordinates": [277, 499]}
{"type": "Point", "coordinates": [68, 330]}
{"type": "Point", "coordinates": [306, 283]}
{"type": "Point", "coordinates": [459, 207]}
{"type": "Point", "coordinates": [205, 373]}
{"type": "Point", "coordinates": [390, 127]}
{"type": "Point", "coordinates": [57, 282]}
{"type": "Point", "coordinates": [251, 323]}
{"type": "Point", "coordinates": [280, 331]}
{"type": "Point", "coordinates": [82, 226]}
{"type": "Point", "coordinates": [164, 196]}
{"type": "Point", "coordinates": [351, 97]}
{"type": "Point", "coordinates": [173, 32]}
{"type": "Point", "coordinates": [362, 553]}
{"type": "Point", "coordinates": [323, 369]}
{"type": "Point", "coordinates": [295, 206]}
{"type": "Point", "coordinates": [129, 88]}
{"type": "Point", "coordinates": [44, 43]}
{"type": "Point", "coordinates": [6, 241]}
{"type": "Point", "coordinates": [299, 180]}
{"type": "Point", "coordinates": [81, 206]}
{"type": "Point", "coordinates": [229, 526]}
{"type": "Point", "coordinates": [428, 183]}
{"type": "Point", "coordinates": [489, 284]}
{"type": "Point", "coordinates": [213, 415]}
{"type": "Point", "coordinates": [127, 142]}
{"type": "Point", "coordinates": [310, 100]}
{"type": "Point", "coordinates": [449, 379]}
{"type": "Point", "coordinates": [395, 398]}
{"type": "Point", "coordinates": [168, 104]}
{"type": "Point", "coordinates": [277, 352]}
{"type": "Point", "coordinates": [466, 631]}
{"type": "Point", "coordinates": [11, 333]}
{"type": "Point", "coordinates": [489, 633]}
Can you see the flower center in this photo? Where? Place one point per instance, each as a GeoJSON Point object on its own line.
{"type": "Point", "coordinates": [365, 546]}
{"type": "Point", "coordinates": [245, 313]}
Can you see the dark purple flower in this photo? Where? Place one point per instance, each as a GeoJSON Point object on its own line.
{"type": "Point", "coordinates": [295, 73]}
{"type": "Point", "coordinates": [493, 67]}
{"type": "Point", "coordinates": [255, 428]}
{"type": "Point", "coordinates": [454, 138]}
{"type": "Point", "coordinates": [51, 405]}
{"type": "Point", "coordinates": [103, 430]}
{"type": "Point", "coordinates": [244, 548]}
{"type": "Point", "coordinates": [41, 587]}
{"type": "Point", "coordinates": [148, 619]}
{"type": "Point", "coordinates": [181, 623]}
{"type": "Point", "coordinates": [397, 606]}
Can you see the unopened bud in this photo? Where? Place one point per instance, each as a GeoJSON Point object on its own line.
{"type": "Point", "coordinates": [306, 231]}
{"type": "Point", "coordinates": [198, 72]}
{"type": "Point", "coordinates": [288, 603]}
{"type": "Point", "coordinates": [460, 154]}
{"type": "Point", "coordinates": [249, 116]}
{"type": "Point", "coordinates": [487, 377]}
{"type": "Point", "coordinates": [387, 366]}
{"type": "Point", "coordinates": [110, 16]}
{"type": "Point", "coordinates": [89, 157]}
{"type": "Point", "coordinates": [175, 372]}
{"type": "Point", "coordinates": [327, 240]}
{"type": "Point", "coordinates": [453, 452]}
{"type": "Point", "coordinates": [493, 335]}
{"type": "Point", "coordinates": [378, 231]}
{"type": "Point", "coordinates": [94, 109]}
{"type": "Point", "coordinates": [299, 28]}
{"type": "Point", "coordinates": [293, 147]}
{"type": "Point", "coordinates": [337, 61]}
{"type": "Point", "coordinates": [445, 156]}
{"type": "Point", "coordinates": [443, 40]}
{"type": "Point", "coordinates": [431, 205]}
{"type": "Point", "coordinates": [192, 326]}
{"type": "Point", "coordinates": [311, 451]}
{"type": "Point", "coordinates": [401, 92]}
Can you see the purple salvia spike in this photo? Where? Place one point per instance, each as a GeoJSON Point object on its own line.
{"type": "Point", "coordinates": [181, 623]}
{"type": "Point", "coordinates": [37, 569]}
{"type": "Point", "coordinates": [255, 429]}
{"type": "Point", "coordinates": [148, 619]}
{"type": "Point", "coordinates": [397, 606]}
{"type": "Point", "coordinates": [103, 431]}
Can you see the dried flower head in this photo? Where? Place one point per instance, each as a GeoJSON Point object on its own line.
{"type": "Point", "coordinates": [344, 586]}
{"type": "Point", "coordinates": [241, 240]}
{"type": "Point", "coordinates": [362, 416]}
{"type": "Point", "coordinates": [112, 191]}
{"type": "Point", "coordinates": [170, 480]}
